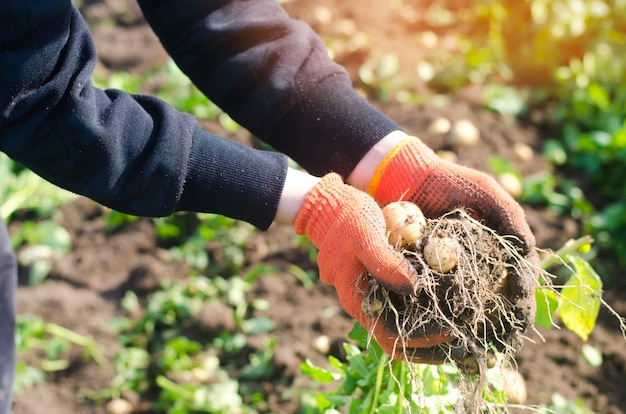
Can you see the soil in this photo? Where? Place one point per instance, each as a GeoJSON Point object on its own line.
{"type": "Point", "coordinates": [85, 287]}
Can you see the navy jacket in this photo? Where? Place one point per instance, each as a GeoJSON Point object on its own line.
{"type": "Point", "coordinates": [137, 154]}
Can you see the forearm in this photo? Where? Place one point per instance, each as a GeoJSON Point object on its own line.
{"type": "Point", "coordinates": [127, 152]}
{"type": "Point", "coordinates": [133, 153]}
{"type": "Point", "coordinates": [234, 180]}
{"type": "Point", "coordinates": [273, 75]}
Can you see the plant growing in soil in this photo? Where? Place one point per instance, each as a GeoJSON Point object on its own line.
{"type": "Point", "coordinates": [176, 356]}
{"type": "Point", "coordinates": [476, 287]}
{"type": "Point", "coordinates": [371, 381]}
{"type": "Point", "coordinates": [46, 348]}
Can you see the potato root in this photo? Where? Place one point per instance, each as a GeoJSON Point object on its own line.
{"type": "Point", "coordinates": [464, 290]}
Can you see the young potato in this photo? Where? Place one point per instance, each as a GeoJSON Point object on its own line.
{"type": "Point", "coordinates": [405, 223]}
{"type": "Point", "coordinates": [440, 253]}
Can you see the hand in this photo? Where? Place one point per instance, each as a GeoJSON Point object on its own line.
{"type": "Point", "coordinates": [412, 171]}
{"type": "Point", "coordinates": [348, 228]}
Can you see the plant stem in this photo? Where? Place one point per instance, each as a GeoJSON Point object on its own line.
{"type": "Point", "coordinates": [379, 381]}
{"type": "Point", "coordinates": [87, 342]}
{"type": "Point", "coordinates": [401, 381]}
{"type": "Point", "coordinates": [569, 248]}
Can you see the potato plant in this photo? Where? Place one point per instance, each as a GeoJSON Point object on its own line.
{"type": "Point", "coordinates": [368, 381]}
{"type": "Point", "coordinates": [46, 348]}
{"type": "Point", "coordinates": [160, 358]}
{"type": "Point", "coordinates": [21, 190]}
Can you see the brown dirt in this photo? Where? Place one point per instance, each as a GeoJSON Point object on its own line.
{"type": "Point", "coordinates": [83, 292]}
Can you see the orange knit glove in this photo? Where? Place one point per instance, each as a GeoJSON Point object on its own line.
{"type": "Point", "coordinates": [348, 228]}
{"type": "Point", "coordinates": [412, 171]}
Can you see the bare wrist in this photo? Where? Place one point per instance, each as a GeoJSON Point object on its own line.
{"type": "Point", "coordinates": [364, 171]}
{"type": "Point", "coordinates": [297, 185]}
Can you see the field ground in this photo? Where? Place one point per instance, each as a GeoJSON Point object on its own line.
{"type": "Point", "coordinates": [84, 290]}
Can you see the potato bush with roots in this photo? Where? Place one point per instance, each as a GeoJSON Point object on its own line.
{"type": "Point", "coordinates": [473, 285]}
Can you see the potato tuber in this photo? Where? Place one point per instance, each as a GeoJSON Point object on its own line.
{"type": "Point", "coordinates": [405, 223]}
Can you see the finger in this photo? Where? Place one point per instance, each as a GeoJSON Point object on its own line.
{"type": "Point", "coordinates": [390, 339]}
{"type": "Point", "coordinates": [390, 268]}
{"type": "Point", "coordinates": [335, 265]}
{"type": "Point", "coordinates": [351, 290]}
{"type": "Point", "coordinates": [434, 355]}
{"type": "Point", "coordinates": [499, 210]}
{"type": "Point", "coordinates": [424, 355]}
{"type": "Point", "coordinates": [351, 297]}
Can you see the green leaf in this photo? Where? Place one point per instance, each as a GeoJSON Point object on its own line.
{"type": "Point", "coordinates": [324, 404]}
{"type": "Point", "coordinates": [504, 100]}
{"type": "Point", "coordinates": [336, 363]}
{"type": "Point", "coordinates": [580, 298]}
{"type": "Point", "coordinates": [318, 374]}
{"type": "Point", "coordinates": [555, 153]}
{"type": "Point", "coordinates": [27, 376]}
{"type": "Point", "coordinates": [39, 270]}
{"type": "Point", "coordinates": [257, 325]}
{"type": "Point", "coordinates": [434, 382]}
{"type": "Point", "coordinates": [359, 334]}
{"type": "Point", "coordinates": [501, 165]}
{"type": "Point", "coordinates": [592, 356]}
{"type": "Point", "coordinates": [547, 303]}
{"type": "Point", "coordinates": [307, 278]}
{"type": "Point", "coordinates": [359, 366]}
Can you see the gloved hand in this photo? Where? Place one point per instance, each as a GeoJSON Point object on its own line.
{"type": "Point", "coordinates": [348, 228]}
{"type": "Point", "coordinates": [412, 171]}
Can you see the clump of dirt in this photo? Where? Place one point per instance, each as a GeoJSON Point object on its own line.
{"type": "Point", "coordinates": [475, 287]}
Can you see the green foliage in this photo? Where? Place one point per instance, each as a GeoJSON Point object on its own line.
{"type": "Point", "coordinates": [170, 84]}
{"type": "Point", "coordinates": [370, 382]}
{"type": "Point", "coordinates": [43, 242]}
{"type": "Point", "coordinates": [581, 303]}
{"type": "Point", "coordinates": [218, 398]}
{"type": "Point", "coordinates": [563, 406]}
{"type": "Point", "coordinates": [209, 243]}
{"type": "Point", "coordinates": [579, 298]}
{"type": "Point", "coordinates": [588, 150]}
{"type": "Point", "coordinates": [530, 43]}
{"type": "Point", "coordinates": [21, 189]}
{"type": "Point", "coordinates": [41, 239]}
{"type": "Point", "coordinates": [592, 148]}
{"type": "Point", "coordinates": [566, 58]}
{"type": "Point", "coordinates": [592, 356]}
{"type": "Point", "coordinates": [167, 355]}
{"type": "Point", "coordinates": [49, 346]}
{"type": "Point", "coordinates": [381, 74]}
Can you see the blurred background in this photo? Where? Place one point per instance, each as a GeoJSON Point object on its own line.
{"type": "Point", "coordinates": [198, 313]}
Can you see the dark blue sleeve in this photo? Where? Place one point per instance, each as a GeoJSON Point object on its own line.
{"type": "Point", "coordinates": [133, 153]}
{"type": "Point", "coordinates": [272, 74]}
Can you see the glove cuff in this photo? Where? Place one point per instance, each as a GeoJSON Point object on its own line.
{"type": "Point", "coordinates": [396, 176]}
